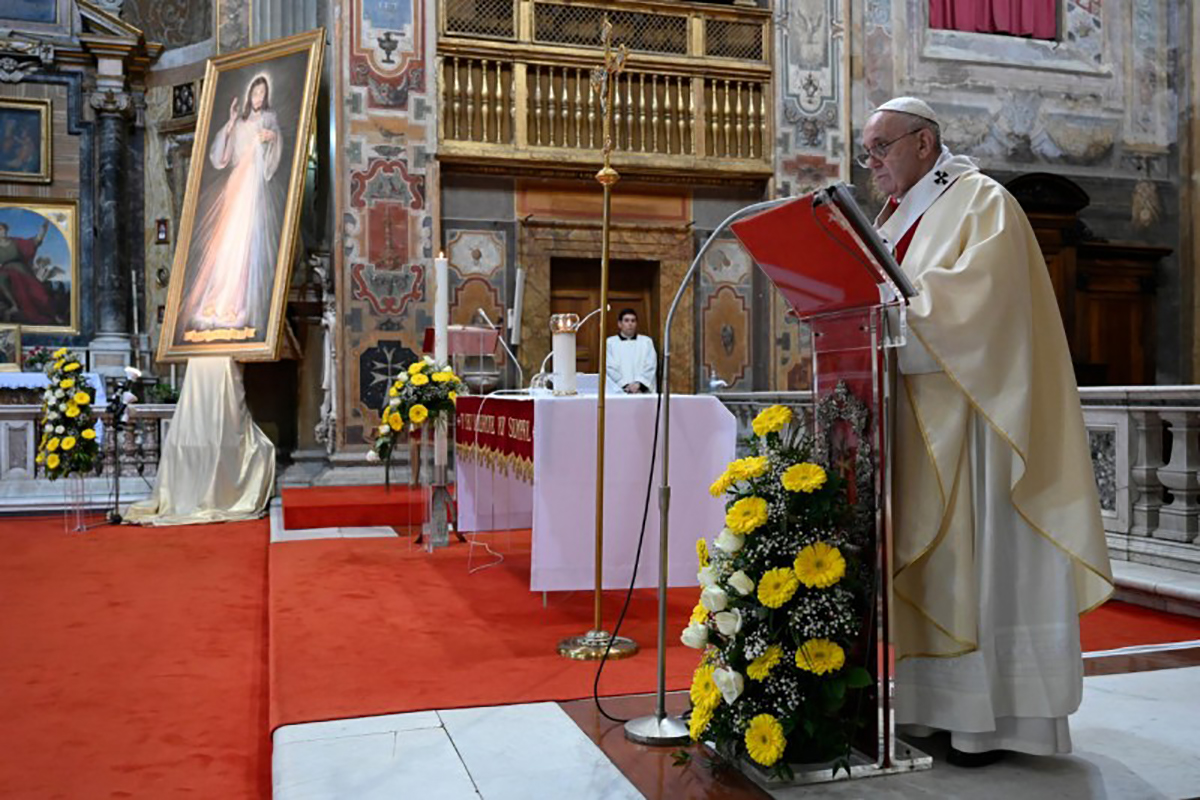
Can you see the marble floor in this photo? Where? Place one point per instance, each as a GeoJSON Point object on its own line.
{"type": "Point", "coordinates": [1134, 737]}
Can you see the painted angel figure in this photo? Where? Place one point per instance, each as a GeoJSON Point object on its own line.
{"type": "Point", "coordinates": [238, 236]}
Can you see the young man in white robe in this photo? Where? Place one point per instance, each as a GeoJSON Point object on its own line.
{"type": "Point", "coordinates": [998, 540]}
{"type": "Point", "coordinates": [631, 360]}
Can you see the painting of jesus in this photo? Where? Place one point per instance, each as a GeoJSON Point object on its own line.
{"type": "Point", "coordinates": [239, 222]}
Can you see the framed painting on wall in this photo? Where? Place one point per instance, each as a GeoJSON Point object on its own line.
{"type": "Point", "coordinates": [36, 16]}
{"type": "Point", "coordinates": [25, 140]}
{"type": "Point", "coordinates": [39, 264]}
{"type": "Point", "coordinates": [10, 348]}
{"type": "Point", "coordinates": [240, 220]}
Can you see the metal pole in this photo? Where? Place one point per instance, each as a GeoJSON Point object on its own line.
{"type": "Point", "coordinates": [660, 729]}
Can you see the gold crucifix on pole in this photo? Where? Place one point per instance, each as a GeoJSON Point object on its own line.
{"type": "Point", "coordinates": [597, 642]}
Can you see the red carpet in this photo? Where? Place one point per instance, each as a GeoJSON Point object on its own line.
{"type": "Point", "coordinates": [134, 661]}
{"type": "Point", "coordinates": [370, 626]}
{"type": "Point", "coordinates": [1116, 624]}
{"type": "Point", "coordinates": [353, 506]}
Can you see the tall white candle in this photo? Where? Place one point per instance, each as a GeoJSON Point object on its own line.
{"type": "Point", "coordinates": [563, 344]}
{"type": "Point", "coordinates": [441, 308]}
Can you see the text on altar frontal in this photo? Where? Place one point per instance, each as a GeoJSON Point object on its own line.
{"type": "Point", "coordinates": [497, 425]}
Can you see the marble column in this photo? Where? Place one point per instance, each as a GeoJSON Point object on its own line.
{"type": "Point", "coordinates": [112, 347]}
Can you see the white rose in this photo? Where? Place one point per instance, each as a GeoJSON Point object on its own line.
{"type": "Point", "coordinates": [51, 415]}
{"type": "Point", "coordinates": [741, 582]}
{"type": "Point", "coordinates": [384, 428]}
{"type": "Point", "coordinates": [429, 360]}
{"type": "Point", "coordinates": [59, 393]}
{"type": "Point", "coordinates": [133, 373]}
{"type": "Point", "coordinates": [394, 402]}
{"type": "Point", "coordinates": [695, 636]}
{"type": "Point", "coordinates": [729, 541]}
{"type": "Point", "coordinates": [714, 598]}
{"type": "Point", "coordinates": [48, 428]}
{"type": "Point", "coordinates": [729, 682]}
{"type": "Point", "coordinates": [372, 456]}
{"type": "Point", "coordinates": [60, 429]}
{"type": "Point", "coordinates": [729, 622]}
{"type": "Point", "coordinates": [707, 576]}
{"type": "Point", "coordinates": [402, 378]}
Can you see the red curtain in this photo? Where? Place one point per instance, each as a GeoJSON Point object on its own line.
{"type": "Point", "coordinates": [1035, 18]}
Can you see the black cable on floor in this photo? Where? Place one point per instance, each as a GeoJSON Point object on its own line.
{"type": "Point", "coordinates": [636, 560]}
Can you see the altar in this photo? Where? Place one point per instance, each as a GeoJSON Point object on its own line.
{"type": "Point", "coordinates": [530, 462]}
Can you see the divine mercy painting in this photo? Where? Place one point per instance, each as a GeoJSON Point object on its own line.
{"type": "Point", "coordinates": [240, 217]}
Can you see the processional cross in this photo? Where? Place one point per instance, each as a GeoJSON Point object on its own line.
{"type": "Point", "coordinates": [597, 642]}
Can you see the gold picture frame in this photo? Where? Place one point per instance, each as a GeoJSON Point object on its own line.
{"type": "Point", "coordinates": [241, 212]}
{"type": "Point", "coordinates": [39, 264]}
{"type": "Point", "coordinates": [26, 143]}
{"type": "Point", "coordinates": [10, 348]}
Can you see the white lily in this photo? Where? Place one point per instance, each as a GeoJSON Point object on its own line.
{"type": "Point", "coordinates": [729, 682]}
{"type": "Point", "coordinates": [695, 636]}
{"type": "Point", "coordinates": [714, 598]}
{"type": "Point", "coordinates": [742, 583]}
{"type": "Point", "coordinates": [729, 622]}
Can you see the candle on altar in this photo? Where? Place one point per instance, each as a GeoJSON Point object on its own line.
{"type": "Point", "coordinates": [441, 308]}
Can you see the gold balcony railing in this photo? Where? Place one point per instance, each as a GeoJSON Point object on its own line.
{"type": "Point", "coordinates": [515, 85]}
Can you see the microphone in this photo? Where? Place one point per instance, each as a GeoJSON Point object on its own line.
{"type": "Point", "coordinates": [504, 344]}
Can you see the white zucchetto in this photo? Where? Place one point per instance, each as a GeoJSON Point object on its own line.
{"type": "Point", "coordinates": [909, 105]}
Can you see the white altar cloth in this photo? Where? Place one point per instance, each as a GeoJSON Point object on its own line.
{"type": "Point", "coordinates": [560, 503]}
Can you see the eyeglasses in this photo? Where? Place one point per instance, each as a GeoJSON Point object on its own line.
{"type": "Point", "coordinates": [880, 151]}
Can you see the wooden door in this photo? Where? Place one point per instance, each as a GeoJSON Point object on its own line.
{"type": "Point", "coordinates": [575, 289]}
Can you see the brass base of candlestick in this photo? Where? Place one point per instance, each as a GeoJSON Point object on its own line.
{"type": "Point", "coordinates": [593, 644]}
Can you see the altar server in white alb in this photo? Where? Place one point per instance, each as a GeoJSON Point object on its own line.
{"type": "Point", "coordinates": [632, 360]}
{"type": "Point", "coordinates": [999, 545]}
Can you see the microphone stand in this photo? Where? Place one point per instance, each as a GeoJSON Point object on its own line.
{"type": "Point", "coordinates": [117, 408]}
{"type": "Point", "coordinates": [660, 729]}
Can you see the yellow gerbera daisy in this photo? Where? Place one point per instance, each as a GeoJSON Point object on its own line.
{"type": "Point", "coordinates": [82, 398]}
{"type": "Point", "coordinates": [52, 445]}
{"type": "Point", "coordinates": [701, 716]}
{"type": "Point", "coordinates": [60, 352]}
{"type": "Point", "coordinates": [760, 668]}
{"type": "Point", "coordinates": [66, 383]}
{"type": "Point", "coordinates": [771, 420]}
{"type": "Point", "coordinates": [420, 379]}
{"type": "Point", "coordinates": [52, 461]}
{"type": "Point", "coordinates": [395, 421]}
{"type": "Point", "coordinates": [764, 740]}
{"type": "Point", "coordinates": [72, 411]}
{"type": "Point", "coordinates": [415, 367]}
{"type": "Point", "coordinates": [67, 443]}
{"type": "Point", "coordinates": [88, 433]}
{"type": "Point", "coordinates": [453, 396]}
{"type": "Point", "coordinates": [804, 477]}
{"type": "Point", "coordinates": [777, 587]}
{"type": "Point", "coordinates": [58, 364]}
{"type": "Point", "coordinates": [74, 365]}
{"type": "Point", "coordinates": [699, 614]}
{"type": "Point", "coordinates": [743, 469]}
{"type": "Point", "coordinates": [721, 484]}
{"type": "Point", "coordinates": [442, 377]}
{"type": "Point", "coordinates": [819, 565]}
{"type": "Point", "coordinates": [702, 552]}
{"type": "Point", "coordinates": [418, 414]}
{"type": "Point", "coordinates": [746, 515]}
{"type": "Point", "coordinates": [820, 656]}
{"type": "Point", "coordinates": [704, 691]}
{"type": "Point", "coordinates": [393, 392]}
{"type": "Point", "coordinates": [40, 458]}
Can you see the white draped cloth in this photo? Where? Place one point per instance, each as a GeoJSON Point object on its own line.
{"type": "Point", "coordinates": [631, 361]}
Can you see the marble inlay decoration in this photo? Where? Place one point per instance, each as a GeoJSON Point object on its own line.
{"type": "Point", "coordinates": [727, 263]}
{"type": "Point", "coordinates": [476, 252]}
{"type": "Point", "coordinates": [1104, 462]}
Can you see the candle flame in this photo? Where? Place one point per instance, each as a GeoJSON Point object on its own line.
{"type": "Point", "coordinates": [441, 254]}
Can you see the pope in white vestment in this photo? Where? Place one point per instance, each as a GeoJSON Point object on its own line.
{"type": "Point", "coordinates": [998, 540]}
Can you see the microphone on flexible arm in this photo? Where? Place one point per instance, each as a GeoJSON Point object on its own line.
{"type": "Point", "coordinates": [504, 344]}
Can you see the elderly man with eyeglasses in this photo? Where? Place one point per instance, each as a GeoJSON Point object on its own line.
{"type": "Point", "coordinates": [998, 540]}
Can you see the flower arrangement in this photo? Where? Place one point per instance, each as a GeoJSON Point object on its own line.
{"type": "Point", "coordinates": [37, 359]}
{"type": "Point", "coordinates": [68, 444]}
{"type": "Point", "coordinates": [780, 610]}
{"type": "Point", "coordinates": [422, 392]}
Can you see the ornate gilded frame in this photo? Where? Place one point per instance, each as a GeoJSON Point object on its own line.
{"type": "Point", "coordinates": [10, 338]}
{"type": "Point", "coordinates": [269, 349]}
{"type": "Point", "coordinates": [45, 146]}
{"type": "Point", "coordinates": [63, 215]}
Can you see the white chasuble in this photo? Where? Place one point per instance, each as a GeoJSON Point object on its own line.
{"type": "Point", "coordinates": [631, 361]}
{"type": "Point", "coordinates": [998, 540]}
